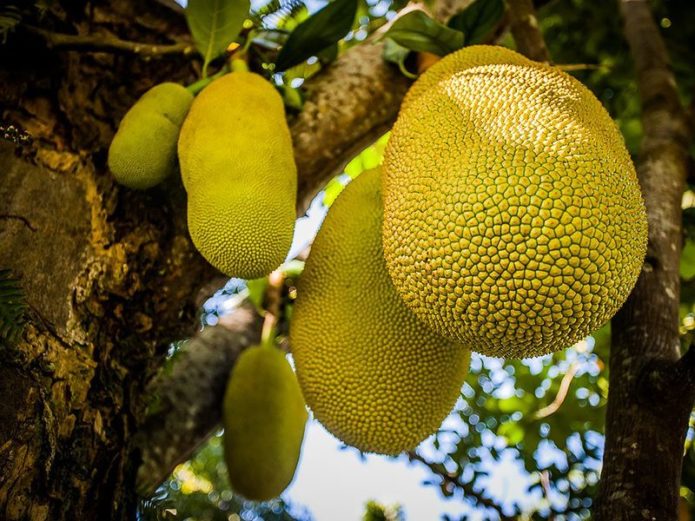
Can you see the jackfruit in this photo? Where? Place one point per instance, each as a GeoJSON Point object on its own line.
{"type": "Point", "coordinates": [372, 374]}
{"type": "Point", "coordinates": [143, 151]}
{"type": "Point", "coordinates": [238, 168]}
{"type": "Point", "coordinates": [513, 218]}
{"type": "Point", "coordinates": [264, 419]}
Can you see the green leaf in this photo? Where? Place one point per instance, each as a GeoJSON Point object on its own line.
{"type": "Point", "coordinates": [418, 32]}
{"type": "Point", "coordinates": [477, 20]}
{"type": "Point", "coordinates": [397, 54]}
{"type": "Point", "coordinates": [321, 30]}
{"type": "Point", "coordinates": [215, 24]}
{"type": "Point", "coordinates": [10, 16]}
{"type": "Point", "coordinates": [12, 307]}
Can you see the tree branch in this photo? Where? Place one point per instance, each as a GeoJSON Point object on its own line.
{"type": "Point", "coordinates": [103, 43]}
{"type": "Point", "coordinates": [187, 400]}
{"type": "Point", "coordinates": [347, 108]}
{"type": "Point", "coordinates": [452, 482]}
{"type": "Point", "coordinates": [527, 34]}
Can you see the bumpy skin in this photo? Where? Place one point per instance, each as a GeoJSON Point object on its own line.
{"type": "Point", "coordinates": [372, 374]}
{"type": "Point", "coordinates": [513, 218]}
{"type": "Point", "coordinates": [264, 419]}
{"type": "Point", "coordinates": [143, 151]}
{"type": "Point", "coordinates": [237, 165]}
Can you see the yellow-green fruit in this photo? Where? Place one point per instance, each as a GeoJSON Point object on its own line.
{"type": "Point", "coordinates": [513, 219]}
{"type": "Point", "coordinates": [238, 168]}
{"type": "Point", "coordinates": [264, 419]}
{"type": "Point", "coordinates": [143, 151]}
{"type": "Point", "coordinates": [372, 374]}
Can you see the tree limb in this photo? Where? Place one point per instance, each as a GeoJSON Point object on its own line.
{"type": "Point", "coordinates": [187, 401]}
{"type": "Point", "coordinates": [104, 43]}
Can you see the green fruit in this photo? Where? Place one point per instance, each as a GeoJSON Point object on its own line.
{"type": "Point", "coordinates": [143, 151]}
{"type": "Point", "coordinates": [238, 168]}
{"type": "Point", "coordinates": [372, 374]}
{"type": "Point", "coordinates": [513, 219]}
{"type": "Point", "coordinates": [264, 419]}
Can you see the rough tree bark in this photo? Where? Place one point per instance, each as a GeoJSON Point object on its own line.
{"type": "Point", "coordinates": [651, 391]}
{"type": "Point", "coordinates": [110, 274]}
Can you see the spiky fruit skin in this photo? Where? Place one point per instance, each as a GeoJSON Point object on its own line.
{"type": "Point", "coordinates": [143, 151]}
{"type": "Point", "coordinates": [238, 168]}
{"type": "Point", "coordinates": [372, 374]}
{"type": "Point", "coordinates": [513, 218]}
{"type": "Point", "coordinates": [264, 419]}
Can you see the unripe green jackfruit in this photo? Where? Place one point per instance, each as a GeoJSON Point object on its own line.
{"type": "Point", "coordinates": [264, 419]}
{"type": "Point", "coordinates": [143, 151]}
{"type": "Point", "coordinates": [372, 374]}
{"type": "Point", "coordinates": [238, 168]}
{"type": "Point", "coordinates": [513, 219]}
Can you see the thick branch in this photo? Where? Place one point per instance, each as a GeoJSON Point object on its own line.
{"type": "Point", "coordinates": [347, 108]}
{"type": "Point", "coordinates": [187, 401]}
{"type": "Point", "coordinates": [527, 34]}
{"type": "Point", "coordinates": [97, 43]}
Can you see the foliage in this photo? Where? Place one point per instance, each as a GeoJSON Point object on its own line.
{"type": "Point", "coordinates": [317, 33]}
{"type": "Point", "coordinates": [375, 511]}
{"type": "Point", "coordinates": [214, 24]}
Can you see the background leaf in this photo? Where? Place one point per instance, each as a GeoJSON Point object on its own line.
{"type": "Point", "coordinates": [318, 32]}
{"type": "Point", "coordinates": [477, 20]}
{"type": "Point", "coordinates": [214, 24]}
{"type": "Point", "coordinates": [418, 32]}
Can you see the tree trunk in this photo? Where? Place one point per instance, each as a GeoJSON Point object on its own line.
{"type": "Point", "coordinates": [651, 390]}
{"type": "Point", "coordinates": [109, 274]}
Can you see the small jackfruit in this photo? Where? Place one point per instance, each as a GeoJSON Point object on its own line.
{"type": "Point", "coordinates": [143, 151]}
{"type": "Point", "coordinates": [238, 168]}
{"type": "Point", "coordinates": [513, 218]}
{"type": "Point", "coordinates": [372, 374]}
{"type": "Point", "coordinates": [264, 419]}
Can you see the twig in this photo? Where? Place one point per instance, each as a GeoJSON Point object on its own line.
{"type": "Point", "coordinates": [527, 34]}
{"type": "Point", "coordinates": [469, 492]}
{"type": "Point", "coordinates": [561, 393]}
{"type": "Point", "coordinates": [96, 43]}
{"type": "Point", "coordinates": [569, 67]}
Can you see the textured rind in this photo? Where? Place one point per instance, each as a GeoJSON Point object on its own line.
{"type": "Point", "coordinates": [143, 151]}
{"type": "Point", "coordinates": [372, 374]}
{"type": "Point", "coordinates": [238, 168]}
{"type": "Point", "coordinates": [514, 221]}
{"type": "Point", "coordinates": [264, 419]}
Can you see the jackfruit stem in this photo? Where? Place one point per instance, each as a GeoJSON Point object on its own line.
{"type": "Point", "coordinates": [239, 65]}
{"type": "Point", "coordinates": [195, 87]}
{"type": "Point", "coordinates": [273, 296]}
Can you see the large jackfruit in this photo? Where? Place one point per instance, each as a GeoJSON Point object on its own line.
{"type": "Point", "coordinates": [238, 168]}
{"type": "Point", "coordinates": [513, 217]}
{"type": "Point", "coordinates": [372, 374]}
{"type": "Point", "coordinates": [143, 151]}
{"type": "Point", "coordinates": [264, 419]}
